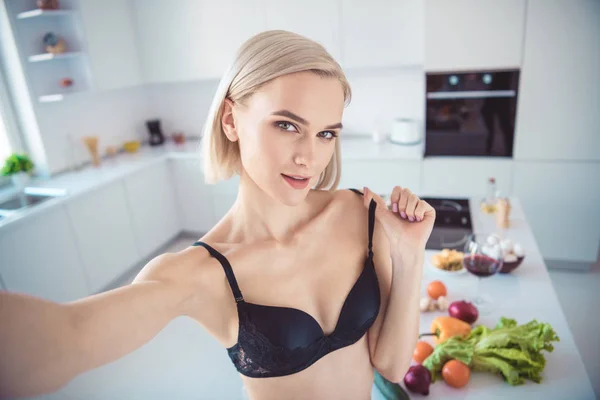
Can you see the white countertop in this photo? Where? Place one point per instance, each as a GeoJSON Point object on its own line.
{"type": "Point", "coordinates": [525, 294]}
{"type": "Point", "coordinates": [359, 148]}
{"type": "Point", "coordinates": [75, 183]}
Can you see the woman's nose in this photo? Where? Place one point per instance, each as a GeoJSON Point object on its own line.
{"type": "Point", "coordinates": [305, 152]}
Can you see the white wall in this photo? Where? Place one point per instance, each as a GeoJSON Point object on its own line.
{"type": "Point", "coordinates": [182, 105]}
{"type": "Point", "coordinates": [114, 116]}
{"type": "Point", "coordinates": [384, 94]}
{"type": "Point", "coordinates": [117, 116]}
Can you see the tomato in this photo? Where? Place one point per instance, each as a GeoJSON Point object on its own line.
{"type": "Point", "coordinates": [436, 289]}
{"type": "Point", "coordinates": [422, 351]}
{"type": "Point", "coordinates": [456, 374]}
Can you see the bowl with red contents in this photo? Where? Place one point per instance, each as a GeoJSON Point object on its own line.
{"type": "Point", "coordinates": [510, 266]}
{"type": "Point", "coordinates": [513, 256]}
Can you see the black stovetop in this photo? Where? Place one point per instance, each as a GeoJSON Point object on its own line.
{"type": "Point", "coordinates": [452, 223]}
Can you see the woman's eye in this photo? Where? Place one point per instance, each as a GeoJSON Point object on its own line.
{"type": "Point", "coordinates": [328, 135]}
{"type": "Point", "coordinates": [284, 125]}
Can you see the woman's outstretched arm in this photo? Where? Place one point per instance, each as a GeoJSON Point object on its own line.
{"type": "Point", "coordinates": [44, 345]}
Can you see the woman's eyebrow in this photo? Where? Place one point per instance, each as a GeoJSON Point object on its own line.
{"type": "Point", "coordinates": [299, 119]}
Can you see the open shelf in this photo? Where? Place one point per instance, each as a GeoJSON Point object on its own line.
{"type": "Point", "coordinates": [43, 13]}
{"type": "Point", "coordinates": [50, 56]}
{"type": "Point", "coordinates": [53, 98]}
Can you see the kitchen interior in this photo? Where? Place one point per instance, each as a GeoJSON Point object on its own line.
{"type": "Point", "coordinates": [486, 109]}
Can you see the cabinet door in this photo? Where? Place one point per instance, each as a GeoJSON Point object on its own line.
{"type": "Point", "coordinates": [381, 176]}
{"type": "Point", "coordinates": [381, 33]}
{"type": "Point", "coordinates": [559, 94]}
{"type": "Point", "coordinates": [193, 39]}
{"type": "Point", "coordinates": [465, 177]}
{"type": "Point", "coordinates": [38, 256]}
{"type": "Point", "coordinates": [473, 34]}
{"type": "Point", "coordinates": [194, 197]}
{"type": "Point", "coordinates": [111, 43]}
{"type": "Point", "coordinates": [224, 195]}
{"type": "Point", "coordinates": [153, 208]}
{"type": "Point", "coordinates": [104, 233]}
{"type": "Point", "coordinates": [315, 19]}
{"type": "Point", "coordinates": [560, 200]}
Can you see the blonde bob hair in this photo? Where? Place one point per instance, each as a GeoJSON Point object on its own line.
{"type": "Point", "coordinates": [260, 59]}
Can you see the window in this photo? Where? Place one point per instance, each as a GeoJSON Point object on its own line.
{"type": "Point", "coordinates": [5, 148]}
{"type": "Point", "coordinates": [7, 127]}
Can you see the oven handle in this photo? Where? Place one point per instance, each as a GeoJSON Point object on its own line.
{"type": "Point", "coordinates": [471, 94]}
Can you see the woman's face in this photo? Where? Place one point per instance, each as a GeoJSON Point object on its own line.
{"type": "Point", "coordinates": [288, 129]}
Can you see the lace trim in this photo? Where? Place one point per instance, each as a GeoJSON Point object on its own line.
{"type": "Point", "coordinates": [256, 356]}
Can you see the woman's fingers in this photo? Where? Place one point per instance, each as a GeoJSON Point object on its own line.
{"type": "Point", "coordinates": [411, 205]}
{"type": "Point", "coordinates": [422, 206]}
{"type": "Point", "coordinates": [395, 197]}
{"type": "Point", "coordinates": [403, 202]}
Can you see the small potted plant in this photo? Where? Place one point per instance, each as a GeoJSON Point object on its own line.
{"type": "Point", "coordinates": [19, 167]}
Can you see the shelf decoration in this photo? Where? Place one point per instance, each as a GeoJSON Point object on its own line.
{"type": "Point", "coordinates": [48, 4]}
{"type": "Point", "coordinates": [54, 43]}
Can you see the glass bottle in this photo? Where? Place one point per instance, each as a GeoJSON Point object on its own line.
{"type": "Point", "coordinates": [491, 197]}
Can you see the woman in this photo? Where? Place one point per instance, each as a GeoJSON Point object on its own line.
{"type": "Point", "coordinates": [307, 287]}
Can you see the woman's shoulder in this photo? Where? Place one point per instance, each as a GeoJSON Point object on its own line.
{"type": "Point", "coordinates": [192, 264]}
{"type": "Point", "coordinates": [349, 201]}
{"type": "Point", "coordinates": [349, 212]}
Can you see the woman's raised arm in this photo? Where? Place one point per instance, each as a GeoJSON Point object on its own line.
{"type": "Point", "coordinates": [44, 345]}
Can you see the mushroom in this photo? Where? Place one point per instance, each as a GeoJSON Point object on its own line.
{"type": "Point", "coordinates": [425, 304]}
{"type": "Point", "coordinates": [442, 303]}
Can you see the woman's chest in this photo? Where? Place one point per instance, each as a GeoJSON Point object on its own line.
{"type": "Point", "coordinates": [313, 280]}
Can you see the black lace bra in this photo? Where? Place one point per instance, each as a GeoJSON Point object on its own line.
{"type": "Point", "coordinates": [277, 341]}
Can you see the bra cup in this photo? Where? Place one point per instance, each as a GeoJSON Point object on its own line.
{"type": "Point", "coordinates": [361, 303]}
{"type": "Point", "coordinates": [286, 327]}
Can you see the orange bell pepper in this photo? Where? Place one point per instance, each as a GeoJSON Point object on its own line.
{"type": "Point", "coordinates": [445, 327]}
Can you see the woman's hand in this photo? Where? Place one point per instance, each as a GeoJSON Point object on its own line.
{"type": "Point", "coordinates": [409, 222]}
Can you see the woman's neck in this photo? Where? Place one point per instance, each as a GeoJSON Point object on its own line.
{"type": "Point", "coordinates": [257, 217]}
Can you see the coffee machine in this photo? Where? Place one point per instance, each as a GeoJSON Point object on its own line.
{"type": "Point", "coordinates": [155, 132]}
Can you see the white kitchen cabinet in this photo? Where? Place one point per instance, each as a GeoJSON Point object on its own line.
{"type": "Point", "coordinates": [39, 256]}
{"type": "Point", "coordinates": [318, 20]}
{"type": "Point", "coordinates": [111, 43]}
{"type": "Point", "coordinates": [104, 234]}
{"type": "Point", "coordinates": [181, 362]}
{"type": "Point", "coordinates": [381, 176]}
{"type": "Point", "coordinates": [154, 211]}
{"type": "Point", "coordinates": [465, 176]}
{"type": "Point", "coordinates": [560, 200]}
{"type": "Point", "coordinates": [224, 195]}
{"type": "Point", "coordinates": [194, 197]}
{"type": "Point", "coordinates": [193, 39]}
{"type": "Point", "coordinates": [559, 95]}
{"type": "Point", "coordinates": [381, 33]}
{"type": "Point", "coordinates": [473, 34]}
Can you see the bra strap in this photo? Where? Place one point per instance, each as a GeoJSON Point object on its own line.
{"type": "Point", "coordinates": [226, 267]}
{"type": "Point", "coordinates": [372, 207]}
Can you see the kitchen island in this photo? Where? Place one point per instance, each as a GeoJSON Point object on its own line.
{"type": "Point", "coordinates": [525, 294]}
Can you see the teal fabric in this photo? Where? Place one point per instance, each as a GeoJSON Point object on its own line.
{"type": "Point", "coordinates": [386, 390]}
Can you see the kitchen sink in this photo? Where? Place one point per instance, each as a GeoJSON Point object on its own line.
{"type": "Point", "coordinates": [30, 197]}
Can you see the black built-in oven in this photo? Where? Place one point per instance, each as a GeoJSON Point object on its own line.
{"type": "Point", "coordinates": [471, 113]}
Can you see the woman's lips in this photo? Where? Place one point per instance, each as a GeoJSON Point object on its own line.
{"type": "Point", "coordinates": [296, 183]}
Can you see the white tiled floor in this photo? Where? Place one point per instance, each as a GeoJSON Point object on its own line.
{"type": "Point", "coordinates": [576, 291]}
{"type": "Point", "coordinates": [579, 292]}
